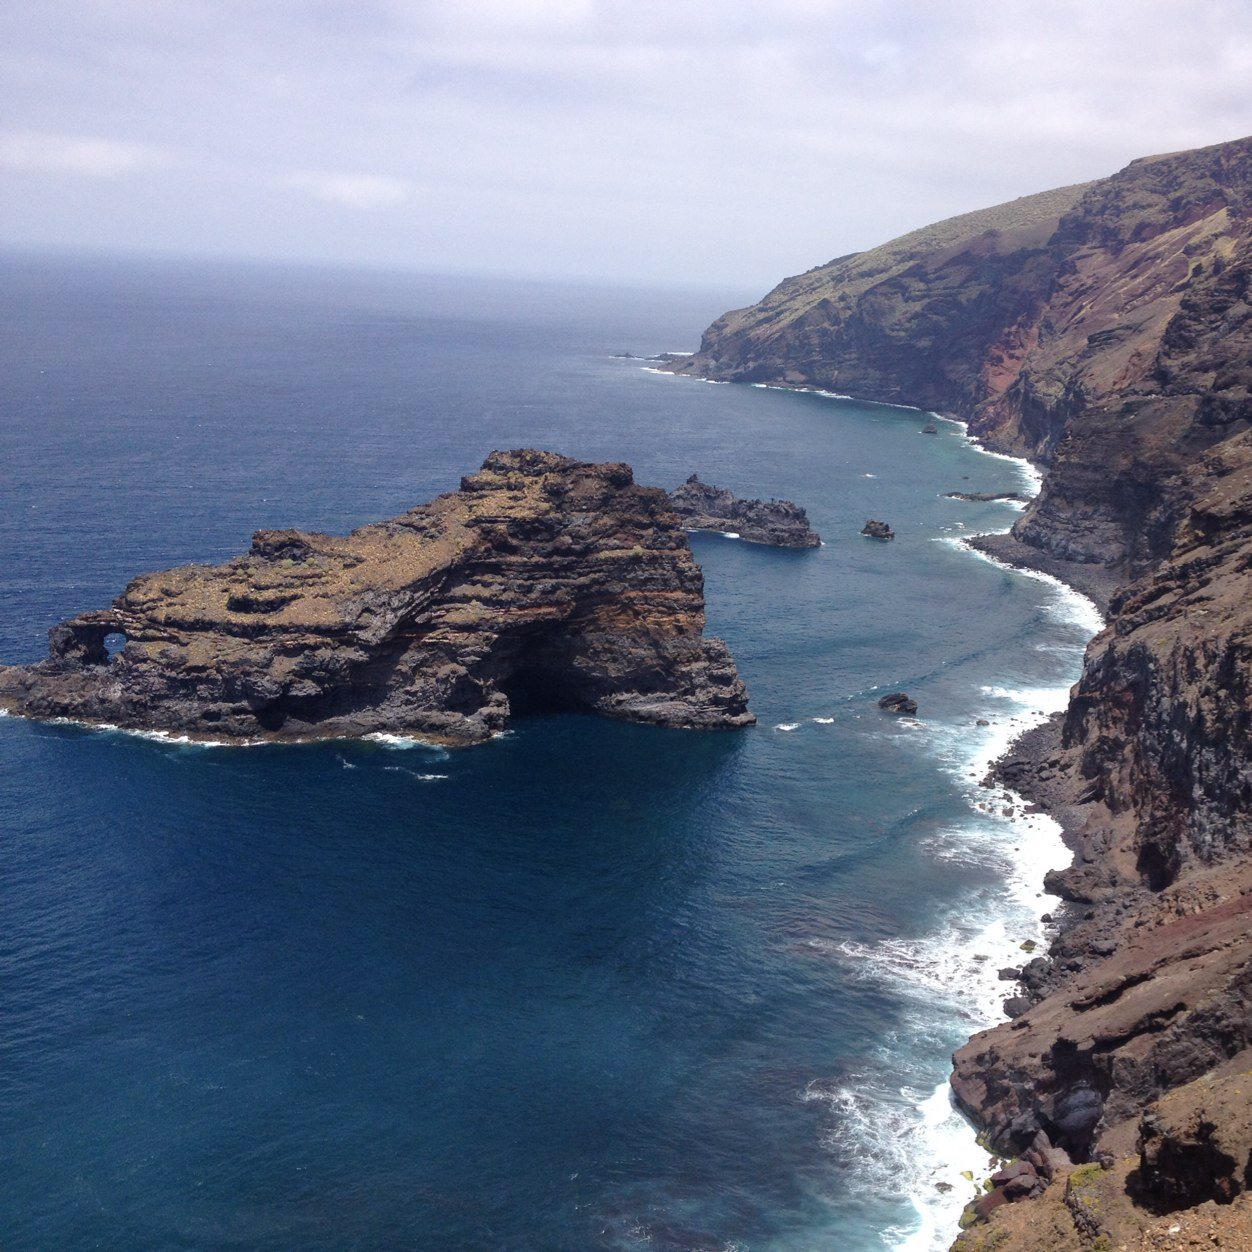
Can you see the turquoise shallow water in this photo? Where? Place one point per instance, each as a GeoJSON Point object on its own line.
{"type": "Point", "coordinates": [589, 986]}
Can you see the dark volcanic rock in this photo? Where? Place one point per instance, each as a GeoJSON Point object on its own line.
{"type": "Point", "coordinates": [898, 702]}
{"type": "Point", "coordinates": [778, 523]}
{"type": "Point", "coordinates": [877, 530]}
{"type": "Point", "coordinates": [1106, 332]}
{"type": "Point", "coordinates": [1162, 717]}
{"type": "Point", "coordinates": [544, 583]}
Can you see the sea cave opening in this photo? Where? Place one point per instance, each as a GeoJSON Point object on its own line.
{"type": "Point", "coordinates": [112, 644]}
{"type": "Point", "coordinates": [540, 681]}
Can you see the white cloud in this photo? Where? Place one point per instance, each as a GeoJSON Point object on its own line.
{"type": "Point", "coordinates": [584, 136]}
{"type": "Point", "coordinates": [76, 154]}
{"type": "Point", "coordinates": [367, 192]}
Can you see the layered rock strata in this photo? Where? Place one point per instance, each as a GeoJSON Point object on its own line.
{"type": "Point", "coordinates": [543, 583]}
{"type": "Point", "coordinates": [1105, 331]}
{"type": "Point", "coordinates": [1102, 329]}
{"type": "Point", "coordinates": [777, 523]}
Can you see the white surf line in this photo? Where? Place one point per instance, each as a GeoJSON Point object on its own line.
{"type": "Point", "coordinates": [403, 743]}
{"type": "Point", "coordinates": [171, 737]}
{"type": "Point", "coordinates": [182, 739]}
{"type": "Point", "coordinates": [1072, 605]}
{"type": "Point", "coordinates": [1031, 475]}
{"type": "Point", "coordinates": [694, 378]}
{"type": "Point", "coordinates": [1039, 847]}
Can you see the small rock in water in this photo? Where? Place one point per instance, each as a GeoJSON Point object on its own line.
{"type": "Point", "coordinates": [898, 702]}
{"type": "Point", "coordinates": [877, 530]}
{"type": "Point", "coordinates": [778, 523]}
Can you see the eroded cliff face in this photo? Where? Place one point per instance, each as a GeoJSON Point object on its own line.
{"type": "Point", "coordinates": [1162, 716]}
{"type": "Point", "coordinates": [1105, 331]}
{"type": "Point", "coordinates": [543, 583]}
{"type": "Point", "coordinates": [913, 321]}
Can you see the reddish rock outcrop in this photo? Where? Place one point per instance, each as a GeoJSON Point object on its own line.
{"type": "Point", "coordinates": [544, 582]}
{"type": "Point", "coordinates": [1106, 332]}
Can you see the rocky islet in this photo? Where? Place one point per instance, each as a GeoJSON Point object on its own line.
{"type": "Point", "coordinates": [775, 523]}
{"type": "Point", "coordinates": [543, 583]}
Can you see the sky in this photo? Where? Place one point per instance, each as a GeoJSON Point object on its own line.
{"type": "Point", "coordinates": [694, 142]}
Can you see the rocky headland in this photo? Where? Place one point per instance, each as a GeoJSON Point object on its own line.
{"type": "Point", "coordinates": [777, 523]}
{"type": "Point", "coordinates": [1104, 331]}
{"type": "Point", "coordinates": [544, 583]}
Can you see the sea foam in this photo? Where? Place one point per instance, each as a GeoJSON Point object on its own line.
{"type": "Point", "coordinates": [951, 975]}
{"type": "Point", "coordinates": [404, 743]}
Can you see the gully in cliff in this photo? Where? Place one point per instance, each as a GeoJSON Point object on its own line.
{"type": "Point", "coordinates": [544, 583]}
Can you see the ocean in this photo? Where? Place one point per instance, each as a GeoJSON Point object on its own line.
{"type": "Point", "coordinates": [589, 986]}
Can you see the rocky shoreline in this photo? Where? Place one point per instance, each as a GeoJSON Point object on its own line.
{"type": "Point", "coordinates": [1105, 333]}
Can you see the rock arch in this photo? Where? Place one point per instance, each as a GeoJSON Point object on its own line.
{"type": "Point", "coordinates": [81, 640]}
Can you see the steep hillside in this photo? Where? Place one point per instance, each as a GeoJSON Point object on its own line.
{"type": "Point", "coordinates": [1102, 329]}
{"type": "Point", "coordinates": [1106, 332]}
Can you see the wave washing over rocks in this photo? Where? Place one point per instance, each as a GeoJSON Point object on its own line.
{"type": "Point", "coordinates": [1105, 330]}
{"type": "Point", "coordinates": [908, 1138]}
{"type": "Point", "coordinates": [897, 1129]}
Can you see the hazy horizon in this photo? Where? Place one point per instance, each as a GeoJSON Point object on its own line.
{"type": "Point", "coordinates": [581, 140]}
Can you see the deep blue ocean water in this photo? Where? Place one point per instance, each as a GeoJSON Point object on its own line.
{"type": "Point", "coordinates": [590, 986]}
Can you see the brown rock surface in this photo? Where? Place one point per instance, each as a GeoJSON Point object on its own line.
{"type": "Point", "coordinates": [1094, 1207]}
{"type": "Point", "coordinates": [1106, 332]}
{"type": "Point", "coordinates": [543, 582]}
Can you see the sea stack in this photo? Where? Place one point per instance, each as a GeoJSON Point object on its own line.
{"type": "Point", "coordinates": [776, 523]}
{"type": "Point", "coordinates": [898, 702]}
{"type": "Point", "coordinates": [544, 583]}
{"type": "Point", "coordinates": [877, 530]}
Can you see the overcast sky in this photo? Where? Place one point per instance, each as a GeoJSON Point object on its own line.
{"type": "Point", "coordinates": [726, 142]}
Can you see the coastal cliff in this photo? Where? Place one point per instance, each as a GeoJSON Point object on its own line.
{"type": "Point", "coordinates": [1105, 331]}
{"type": "Point", "coordinates": [543, 583]}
